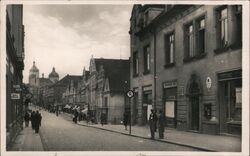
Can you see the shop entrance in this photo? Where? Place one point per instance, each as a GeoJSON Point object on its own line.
{"type": "Point", "coordinates": [147, 105]}
{"type": "Point", "coordinates": [230, 103]}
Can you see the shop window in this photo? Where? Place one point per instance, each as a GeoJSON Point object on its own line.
{"type": "Point", "coordinates": [135, 64]}
{"type": "Point", "coordinates": [208, 111]}
{"type": "Point", "coordinates": [146, 59]}
{"type": "Point", "coordinates": [169, 49]}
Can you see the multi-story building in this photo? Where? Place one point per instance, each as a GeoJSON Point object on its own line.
{"type": "Point", "coordinates": [105, 88]}
{"type": "Point", "coordinates": [187, 61]}
{"type": "Point", "coordinates": [14, 71]}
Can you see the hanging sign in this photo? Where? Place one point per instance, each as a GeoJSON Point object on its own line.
{"type": "Point", "coordinates": [130, 93]}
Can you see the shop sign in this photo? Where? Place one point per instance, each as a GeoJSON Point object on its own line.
{"type": "Point", "coordinates": [147, 88]}
{"type": "Point", "coordinates": [229, 75]}
{"type": "Point", "coordinates": [170, 84]}
{"type": "Point", "coordinates": [15, 96]}
{"type": "Point", "coordinates": [130, 93]}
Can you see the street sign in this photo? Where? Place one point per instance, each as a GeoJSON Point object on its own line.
{"type": "Point", "coordinates": [130, 93]}
{"type": "Point", "coordinates": [15, 96]}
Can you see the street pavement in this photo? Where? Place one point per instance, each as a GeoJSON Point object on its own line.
{"type": "Point", "coordinates": [60, 134]}
{"type": "Point", "coordinates": [204, 142]}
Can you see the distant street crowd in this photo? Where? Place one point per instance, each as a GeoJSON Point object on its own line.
{"type": "Point", "coordinates": [35, 118]}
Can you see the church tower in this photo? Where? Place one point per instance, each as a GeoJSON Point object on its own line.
{"type": "Point", "coordinates": [53, 76]}
{"type": "Point", "coordinates": [34, 75]}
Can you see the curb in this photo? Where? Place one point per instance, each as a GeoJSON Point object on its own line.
{"type": "Point", "coordinates": [164, 141]}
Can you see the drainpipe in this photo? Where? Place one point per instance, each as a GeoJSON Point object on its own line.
{"type": "Point", "coordinates": [154, 31]}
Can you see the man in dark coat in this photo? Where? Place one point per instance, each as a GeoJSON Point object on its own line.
{"type": "Point", "coordinates": [125, 119]}
{"type": "Point", "coordinates": [37, 121]}
{"type": "Point", "coordinates": [161, 124]}
{"type": "Point", "coordinates": [103, 118]}
{"type": "Point", "coordinates": [32, 119]}
{"type": "Point", "coordinates": [26, 119]}
{"type": "Point", "coordinates": [152, 120]}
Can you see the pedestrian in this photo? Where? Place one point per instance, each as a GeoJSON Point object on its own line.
{"type": "Point", "coordinates": [37, 121]}
{"type": "Point", "coordinates": [26, 119]}
{"type": "Point", "coordinates": [32, 119]}
{"type": "Point", "coordinates": [75, 117]}
{"type": "Point", "coordinates": [152, 120]}
{"type": "Point", "coordinates": [103, 116]}
{"type": "Point", "coordinates": [156, 119]}
{"type": "Point", "coordinates": [161, 124]}
{"type": "Point", "coordinates": [125, 119]}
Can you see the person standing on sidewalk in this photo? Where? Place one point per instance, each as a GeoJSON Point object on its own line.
{"type": "Point", "coordinates": [103, 116]}
{"type": "Point", "coordinates": [38, 119]}
{"type": "Point", "coordinates": [26, 119]}
{"type": "Point", "coordinates": [152, 120]}
{"type": "Point", "coordinates": [125, 119]}
{"type": "Point", "coordinates": [32, 119]}
{"type": "Point", "coordinates": [161, 125]}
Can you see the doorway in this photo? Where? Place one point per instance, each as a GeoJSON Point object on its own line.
{"type": "Point", "coordinates": [194, 113]}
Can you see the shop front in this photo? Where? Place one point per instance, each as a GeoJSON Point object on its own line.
{"type": "Point", "coordinates": [230, 101]}
{"type": "Point", "coordinates": [147, 103]}
{"type": "Point", "coordinates": [170, 102]}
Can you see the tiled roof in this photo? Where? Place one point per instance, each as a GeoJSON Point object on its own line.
{"type": "Point", "coordinates": [44, 82]}
{"type": "Point", "coordinates": [117, 71]}
{"type": "Point", "coordinates": [66, 80]}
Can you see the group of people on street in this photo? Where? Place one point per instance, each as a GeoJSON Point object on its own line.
{"type": "Point", "coordinates": [153, 118]}
{"type": "Point", "coordinates": [35, 118]}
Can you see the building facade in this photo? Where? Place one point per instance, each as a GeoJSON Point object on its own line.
{"type": "Point", "coordinates": [197, 56]}
{"type": "Point", "coordinates": [14, 71]}
{"type": "Point", "coordinates": [107, 82]}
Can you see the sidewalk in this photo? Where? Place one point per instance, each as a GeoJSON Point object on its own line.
{"type": "Point", "coordinates": [27, 140]}
{"type": "Point", "coordinates": [216, 143]}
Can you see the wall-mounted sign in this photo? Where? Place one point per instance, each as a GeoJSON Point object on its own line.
{"type": "Point", "coordinates": [208, 82]}
{"type": "Point", "coordinates": [170, 84]}
{"type": "Point", "coordinates": [130, 93]}
{"type": "Point", "coordinates": [147, 88]}
{"type": "Point", "coordinates": [15, 96]}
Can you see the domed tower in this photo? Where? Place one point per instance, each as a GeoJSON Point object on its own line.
{"type": "Point", "coordinates": [34, 75]}
{"type": "Point", "coordinates": [53, 76]}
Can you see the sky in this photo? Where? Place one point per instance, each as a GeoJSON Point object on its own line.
{"type": "Point", "coordinates": [66, 36]}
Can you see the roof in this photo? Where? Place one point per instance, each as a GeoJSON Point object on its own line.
{"type": "Point", "coordinates": [117, 71]}
{"type": "Point", "coordinates": [67, 79]}
{"type": "Point", "coordinates": [44, 82]}
{"type": "Point", "coordinates": [109, 65]}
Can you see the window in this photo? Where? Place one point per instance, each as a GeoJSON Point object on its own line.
{"type": "Point", "coordinates": [190, 40]}
{"type": "Point", "coordinates": [195, 33]}
{"type": "Point", "coordinates": [223, 27]}
{"type": "Point", "coordinates": [169, 49]}
{"type": "Point", "coordinates": [135, 64]}
{"type": "Point", "coordinates": [146, 53]}
{"type": "Point", "coordinates": [238, 15]}
{"type": "Point", "coordinates": [201, 36]}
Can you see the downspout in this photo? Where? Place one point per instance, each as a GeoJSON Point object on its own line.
{"type": "Point", "coordinates": [154, 31]}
